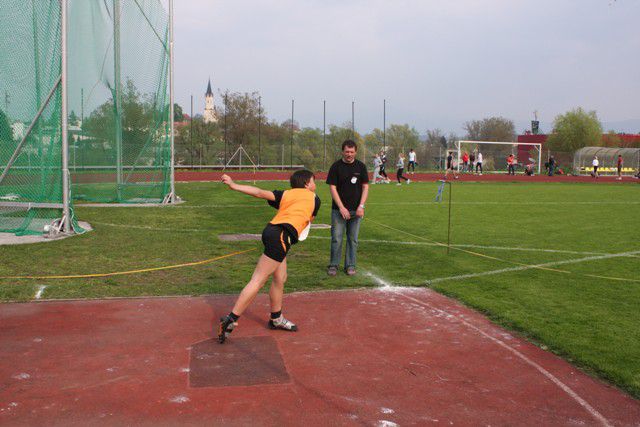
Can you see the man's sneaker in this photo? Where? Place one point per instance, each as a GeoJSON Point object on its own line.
{"type": "Point", "coordinates": [225, 328]}
{"type": "Point", "coordinates": [398, 184]}
{"type": "Point", "coordinates": [351, 271]}
{"type": "Point", "coordinates": [282, 323]}
{"type": "Point", "coordinates": [332, 271]}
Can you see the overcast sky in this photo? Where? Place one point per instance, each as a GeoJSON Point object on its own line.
{"type": "Point", "coordinates": [438, 63]}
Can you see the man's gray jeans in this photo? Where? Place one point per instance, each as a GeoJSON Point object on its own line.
{"type": "Point", "coordinates": [338, 227]}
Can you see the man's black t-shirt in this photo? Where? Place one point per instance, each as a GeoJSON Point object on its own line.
{"type": "Point", "coordinates": [348, 179]}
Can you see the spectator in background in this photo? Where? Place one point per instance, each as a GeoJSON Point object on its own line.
{"type": "Point", "coordinates": [465, 162]}
{"type": "Point", "coordinates": [479, 163]}
{"type": "Point", "coordinates": [595, 164]}
{"type": "Point", "coordinates": [376, 169]}
{"type": "Point", "coordinates": [619, 163]}
{"type": "Point", "coordinates": [551, 166]}
{"type": "Point", "coordinates": [472, 161]}
{"type": "Point", "coordinates": [412, 162]}
{"type": "Point", "coordinates": [383, 166]}
{"type": "Point", "coordinates": [511, 169]}
{"type": "Point", "coordinates": [400, 172]}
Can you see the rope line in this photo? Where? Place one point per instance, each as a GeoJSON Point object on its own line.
{"type": "Point", "coordinates": [122, 273]}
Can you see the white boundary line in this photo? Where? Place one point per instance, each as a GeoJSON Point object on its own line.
{"type": "Point", "coordinates": [256, 205]}
{"type": "Point", "coordinates": [40, 291]}
{"type": "Point", "coordinates": [392, 242]}
{"type": "Point", "coordinates": [529, 267]}
{"type": "Point", "coordinates": [594, 413]}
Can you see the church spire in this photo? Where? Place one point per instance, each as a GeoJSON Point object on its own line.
{"type": "Point", "coordinates": [209, 92]}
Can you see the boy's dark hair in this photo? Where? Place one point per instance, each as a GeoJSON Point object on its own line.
{"type": "Point", "coordinates": [349, 143]}
{"type": "Point", "coordinates": [300, 178]}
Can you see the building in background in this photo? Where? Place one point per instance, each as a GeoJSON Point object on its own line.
{"type": "Point", "coordinates": [209, 115]}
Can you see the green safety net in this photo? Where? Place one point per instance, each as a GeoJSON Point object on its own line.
{"type": "Point", "coordinates": [118, 106]}
{"type": "Point", "coordinates": [118, 96]}
{"type": "Point", "coordinates": [30, 144]}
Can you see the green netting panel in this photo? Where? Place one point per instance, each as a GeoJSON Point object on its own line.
{"type": "Point", "coordinates": [119, 100]}
{"type": "Point", "coordinates": [29, 72]}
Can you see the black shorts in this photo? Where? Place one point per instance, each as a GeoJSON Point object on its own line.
{"type": "Point", "coordinates": [277, 242]}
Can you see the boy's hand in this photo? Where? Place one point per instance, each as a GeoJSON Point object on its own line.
{"type": "Point", "coordinates": [226, 179]}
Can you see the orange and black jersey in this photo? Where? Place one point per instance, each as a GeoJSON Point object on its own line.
{"type": "Point", "coordinates": [296, 209]}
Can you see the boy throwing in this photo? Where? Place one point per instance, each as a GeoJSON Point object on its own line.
{"type": "Point", "coordinates": [296, 209]}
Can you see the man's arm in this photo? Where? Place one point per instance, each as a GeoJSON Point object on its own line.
{"type": "Point", "coordinates": [363, 200]}
{"type": "Point", "coordinates": [336, 198]}
{"type": "Point", "coordinates": [248, 189]}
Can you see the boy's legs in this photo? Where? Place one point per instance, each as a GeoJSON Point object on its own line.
{"type": "Point", "coordinates": [353, 228]}
{"type": "Point", "coordinates": [277, 287]}
{"type": "Point", "coordinates": [265, 268]}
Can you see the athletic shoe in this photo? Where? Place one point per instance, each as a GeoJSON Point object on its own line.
{"type": "Point", "coordinates": [398, 184]}
{"type": "Point", "coordinates": [332, 271]}
{"type": "Point", "coordinates": [225, 328]}
{"type": "Point", "coordinates": [282, 323]}
{"type": "Point", "coordinates": [351, 271]}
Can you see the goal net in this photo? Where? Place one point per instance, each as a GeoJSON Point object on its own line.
{"type": "Point", "coordinates": [495, 156]}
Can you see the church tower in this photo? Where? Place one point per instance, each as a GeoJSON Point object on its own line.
{"type": "Point", "coordinates": [209, 112]}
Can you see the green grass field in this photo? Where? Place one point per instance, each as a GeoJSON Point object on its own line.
{"type": "Point", "coordinates": [499, 230]}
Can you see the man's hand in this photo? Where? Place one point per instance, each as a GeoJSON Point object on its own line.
{"type": "Point", "coordinates": [360, 212]}
{"type": "Point", "coordinates": [226, 179]}
{"type": "Point", "coordinates": [345, 213]}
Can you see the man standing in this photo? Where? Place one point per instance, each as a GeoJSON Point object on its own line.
{"type": "Point", "coordinates": [412, 162]}
{"type": "Point", "coordinates": [348, 181]}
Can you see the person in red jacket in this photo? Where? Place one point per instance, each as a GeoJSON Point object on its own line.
{"type": "Point", "coordinates": [465, 162]}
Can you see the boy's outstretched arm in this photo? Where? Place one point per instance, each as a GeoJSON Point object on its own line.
{"type": "Point", "coordinates": [248, 189]}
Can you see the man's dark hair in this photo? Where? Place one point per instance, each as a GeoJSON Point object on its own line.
{"type": "Point", "coordinates": [349, 143]}
{"type": "Point", "coordinates": [300, 178]}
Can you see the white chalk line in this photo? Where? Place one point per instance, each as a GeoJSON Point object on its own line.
{"type": "Point", "coordinates": [501, 248]}
{"type": "Point", "coordinates": [39, 292]}
{"type": "Point", "coordinates": [393, 242]}
{"type": "Point", "coordinates": [575, 396]}
{"type": "Point", "coordinates": [541, 203]}
{"type": "Point", "coordinates": [528, 267]}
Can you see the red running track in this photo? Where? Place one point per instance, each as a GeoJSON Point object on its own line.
{"type": "Point", "coordinates": [190, 176]}
{"type": "Point", "coordinates": [381, 357]}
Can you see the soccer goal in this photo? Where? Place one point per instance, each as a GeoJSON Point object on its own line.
{"type": "Point", "coordinates": [493, 156]}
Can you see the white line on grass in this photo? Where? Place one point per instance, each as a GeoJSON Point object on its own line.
{"type": "Point", "coordinates": [38, 294]}
{"type": "Point", "coordinates": [540, 203]}
{"type": "Point", "coordinates": [501, 248]}
{"type": "Point", "coordinates": [528, 267]}
{"type": "Point", "coordinates": [575, 396]}
{"type": "Point", "coordinates": [393, 242]}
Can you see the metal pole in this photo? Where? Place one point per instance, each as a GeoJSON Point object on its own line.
{"type": "Point", "coordinates": [82, 126]}
{"type": "Point", "coordinates": [353, 124]}
{"type": "Point", "coordinates": [191, 130]}
{"type": "Point", "coordinates": [291, 138]}
{"type": "Point", "coordinates": [539, 158]}
{"type": "Point", "coordinates": [66, 211]}
{"type": "Point", "coordinates": [225, 128]}
{"type": "Point", "coordinates": [171, 112]}
{"type": "Point", "coordinates": [324, 134]}
{"type": "Point", "coordinates": [259, 129]}
{"type": "Point", "coordinates": [384, 125]}
{"type": "Point", "coordinates": [449, 226]}
{"type": "Point", "coordinates": [117, 95]}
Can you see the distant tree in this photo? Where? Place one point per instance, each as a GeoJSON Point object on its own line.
{"type": "Point", "coordinates": [73, 118]}
{"type": "Point", "coordinates": [402, 138]}
{"type": "Point", "coordinates": [491, 129]}
{"type": "Point", "coordinates": [575, 129]}
{"type": "Point", "coordinates": [434, 137]}
{"type": "Point", "coordinates": [178, 114]}
{"type": "Point", "coordinates": [6, 133]}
